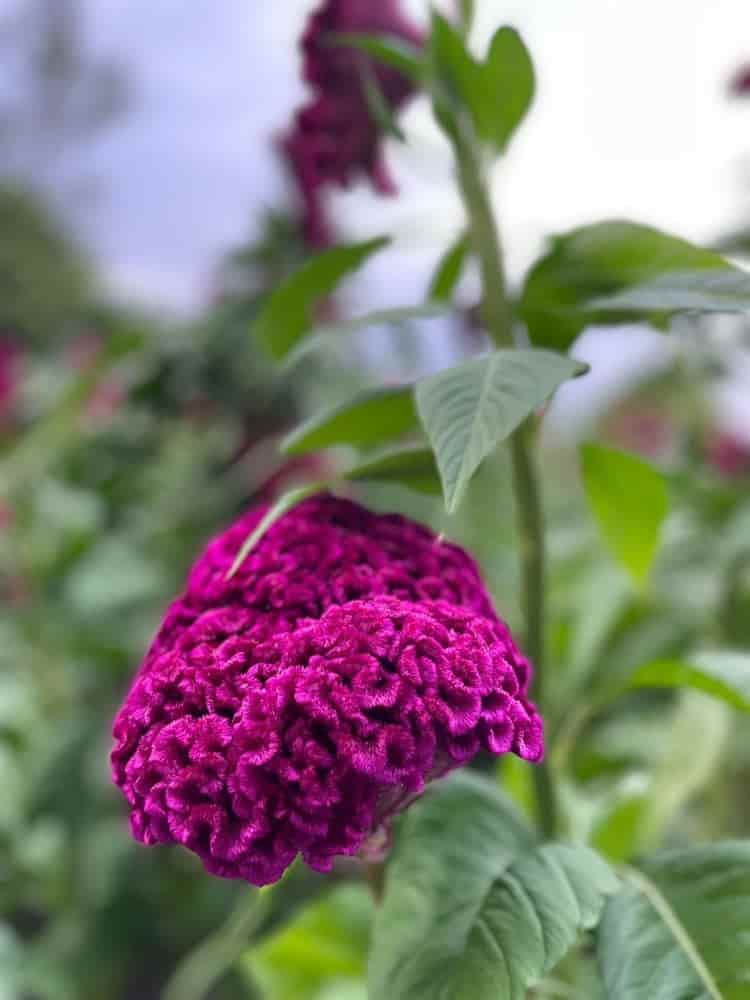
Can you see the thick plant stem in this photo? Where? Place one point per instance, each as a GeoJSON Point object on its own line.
{"type": "Point", "coordinates": [497, 315]}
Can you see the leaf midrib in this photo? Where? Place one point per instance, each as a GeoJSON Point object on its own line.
{"type": "Point", "coordinates": [676, 928]}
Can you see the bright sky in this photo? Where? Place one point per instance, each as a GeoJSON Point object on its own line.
{"type": "Point", "coordinates": [631, 119]}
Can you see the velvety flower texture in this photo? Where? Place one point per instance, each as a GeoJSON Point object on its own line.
{"type": "Point", "coordinates": [294, 708]}
{"type": "Point", "coordinates": [335, 136]}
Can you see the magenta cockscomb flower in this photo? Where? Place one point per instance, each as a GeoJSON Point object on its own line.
{"type": "Point", "coordinates": [335, 136]}
{"type": "Point", "coordinates": [328, 551]}
{"type": "Point", "coordinates": [293, 708]}
{"type": "Point", "coordinates": [252, 752]}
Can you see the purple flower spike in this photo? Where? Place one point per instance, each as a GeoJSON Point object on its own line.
{"type": "Point", "coordinates": [335, 137]}
{"type": "Point", "coordinates": [294, 709]}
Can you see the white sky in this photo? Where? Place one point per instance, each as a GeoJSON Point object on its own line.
{"type": "Point", "coordinates": [631, 119]}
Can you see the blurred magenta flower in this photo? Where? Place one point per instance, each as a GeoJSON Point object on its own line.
{"type": "Point", "coordinates": [739, 85]}
{"type": "Point", "coordinates": [335, 136]}
{"type": "Point", "coordinates": [296, 707]}
{"type": "Point", "coordinates": [729, 455]}
{"type": "Point", "coordinates": [11, 359]}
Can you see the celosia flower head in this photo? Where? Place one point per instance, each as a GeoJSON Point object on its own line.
{"type": "Point", "coordinates": [335, 136]}
{"type": "Point", "coordinates": [292, 709]}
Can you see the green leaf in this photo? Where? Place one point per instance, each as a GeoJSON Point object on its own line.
{"type": "Point", "coordinates": [449, 271]}
{"type": "Point", "coordinates": [288, 314]}
{"type": "Point", "coordinates": [372, 417]}
{"type": "Point", "coordinates": [616, 833]}
{"type": "Point", "coordinates": [468, 410]}
{"type": "Point", "coordinates": [328, 335]}
{"type": "Point", "coordinates": [412, 466]}
{"type": "Point", "coordinates": [674, 785]}
{"type": "Point", "coordinates": [681, 927]}
{"type": "Point", "coordinates": [326, 942]}
{"type": "Point", "coordinates": [456, 77]}
{"type": "Point", "coordinates": [394, 52]}
{"type": "Point", "coordinates": [722, 674]}
{"type": "Point", "coordinates": [604, 259]}
{"type": "Point", "coordinates": [467, 11]}
{"type": "Point", "coordinates": [381, 111]}
{"type": "Point", "coordinates": [722, 291]}
{"type": "Point", "coordinates": [449, 849]}
{"type": "Point", "coordinates": [630, 502]}
{"type": "Point", "coordinates": [473, 910]}
{"type": "Point", "coordinates": [277, 510]}
{"type": "Point", "coordinates": [508, 84]}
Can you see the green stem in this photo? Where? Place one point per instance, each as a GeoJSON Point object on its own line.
{"type": "Point", "coordinates": [206, 965]}
{"type": "Point", "coordinates": [497, 315]}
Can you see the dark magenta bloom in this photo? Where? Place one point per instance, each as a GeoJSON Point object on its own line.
{"type": "Point", "coordinates": [295, 708]}
{"type": "Point", "coordinates": [335, 137]}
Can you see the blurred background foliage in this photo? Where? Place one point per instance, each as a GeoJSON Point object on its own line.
{"type": "Point", "coordinates": [127, 439]}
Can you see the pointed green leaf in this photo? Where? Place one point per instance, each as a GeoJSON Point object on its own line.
{"type": "Point", "coordinates": [473, 910]}
{"type": "Point", "coordinates": [413, 466]}
{"type": "Point", "coordinates": [370, 418]}
{"type": "Point", "coordinates": [529, 920]}
{"type": "Point", "coordinates": [724, 674]}
{"type": "Point", "coordinates": [288, 313]}
{"type": "Point", "coordinates": [391, 51]}
{"type": "Point", "coordinates": [327, 336]}
{"type": "Point", "coordinates": [722, 291]}
{"type": "Point", "coordinates": [277, 510]}
{"type": "Point", "coordinates": [630, 502]}
{"type": "Point", "coordinates": [449, 271]}
{"type": "Point", "coordinates": [467, 11]}
{"type": "Point", "coordinates": [449, 848]}
{"type": "Point", "coordinates": [468, 410]}
{"type": "Point", "coordinates": [680, 927]}
{"type": "Point", "coordinates": [604, 259]}
{"type": "Point", "coordinates": [508, 84]}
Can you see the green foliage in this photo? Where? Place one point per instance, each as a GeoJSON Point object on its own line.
{"type": "Point", "coordinates": [467, 411]}
{"type": "Point", "coordinates": [335, 334]}
{"type": "Point", "coordinates": [278, 508]}
{"type": "Point", "coordinates": [323, 950]}
{"type": "Point", "coordinates": [288, 313]}
{"type": "Point", "coordinates": [721, 673]}
{"type": "Point", "coordinates": [370, 418]}
{"type": "Point", "coordinates": [679, 927]}
{"type": "Point", "coordinates": [586, 265]}
{"type": "Point", "coordinates": [412, 466]}
{"type": "Point", "coordinates": [450, 848]}
{"type": "Point", "coordinates": [44, 284]}
{"type": "Point", "coordinates": [449, 271]}
{"type": "Point", "coordinates": [473, 908]}
{"type": "Point", "coordinates": [630, 502]}
{"type": "Point", "coordinates": [496, 92]}
{"type": "Point", "coordinates": [393, 52]}
{"type": "Point", "coordinates": [720, 291]}
{"type": "Point", "coordinates": [508, 77]}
